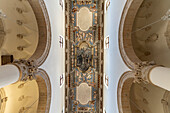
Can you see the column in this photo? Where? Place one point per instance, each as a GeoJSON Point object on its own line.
{"type": "Point", "coordinates": [150, 73]}
{"type": "Point", "coordinates": [19, 70]}
{"type": "Point", "coordinates": [160, 76]}
{"type": "Point", "coordinates": [8, 74]}
{"type": "Point", "coordinates": [29, 69]}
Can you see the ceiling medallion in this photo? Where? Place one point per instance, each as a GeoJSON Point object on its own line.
{"type": "Point", "coordinates": [84, 56]}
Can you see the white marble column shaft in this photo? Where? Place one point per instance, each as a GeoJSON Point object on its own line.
{"type": "Point", "coordinates": [160, 76]}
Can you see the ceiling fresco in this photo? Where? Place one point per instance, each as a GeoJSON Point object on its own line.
{"type": "Point", "coordinates": [85, 48]}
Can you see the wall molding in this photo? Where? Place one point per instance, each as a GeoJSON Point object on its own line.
{"type": "Point", "coordinates": [44, 29]}
{"type": "Point", "coordinates": [125, 29]}
{"type": "Point", "coordinates": [123, 92]}
{"type": "Point", "coordinates": [42, 73]}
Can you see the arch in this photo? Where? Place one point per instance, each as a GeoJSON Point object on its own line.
{"type": "Point", "coordinates": [44, 29]}
{"type": "Point", "coordinates": [44, 85]}
{"type": "Point", "coordinates": [123, 92]}
{"type": "Point", "coordinates": [125, 29]}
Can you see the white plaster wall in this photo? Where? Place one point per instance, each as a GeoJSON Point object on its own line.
{"type": "Point", "coordinates": [54, 65]}
{"type": "Point", "coordinates": [115, 64]}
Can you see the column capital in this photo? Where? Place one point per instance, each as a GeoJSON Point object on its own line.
{"type": "Point", "coordinates": [142, 71]}
{"type": "Point", "coordinates": [28, 69]}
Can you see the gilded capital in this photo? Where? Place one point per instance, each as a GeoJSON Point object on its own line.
{"type": "Point", "coordinates": [28, 69]}
{"type": "Point", "coordinates": [142, 71]}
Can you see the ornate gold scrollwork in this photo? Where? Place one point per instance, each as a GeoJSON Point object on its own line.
{"type": "Point", "coordinates": [142, 71]}
{"type": "Point", "coordinates": [28, 69]}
